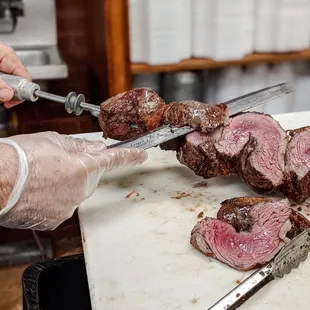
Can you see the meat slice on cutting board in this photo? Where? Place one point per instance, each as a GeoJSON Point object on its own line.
{"type": "Point", "coordinates": [255, 145]}
{"type": "Point", "coordinates": [248, 231]}
{"type": "Point", "coordinates": [235, 211]}
{"type": "Point", "coordinates": [297, 165]}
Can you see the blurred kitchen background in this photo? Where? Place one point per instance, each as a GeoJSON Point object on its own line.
{"type": "Point", "coordinates": [206, 50]}
{"type": "Point", "coordinates": [215, 50]}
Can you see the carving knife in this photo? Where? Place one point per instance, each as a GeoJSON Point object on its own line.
{"type": "Point", "coordinates": [166, 133]}
{"type": "Point", "coordinates": [289, 257]}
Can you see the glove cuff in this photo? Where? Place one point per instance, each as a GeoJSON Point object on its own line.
{"type": "Point", "coordinates": [21, 176]}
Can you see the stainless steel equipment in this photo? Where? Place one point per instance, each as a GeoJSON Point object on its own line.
{"type": "Point", "coordinates": [29, 26]}
{"type": "Point", "coordinates": [184, 85]}
{"type": "Point", "coordinates": [25, 252]}
{"type": "Point", "coordinates": [150, 80]}
{"type": "Point", "coordinates": [290, 256]}
{"type": "Point", "coordinates": [10, 10]}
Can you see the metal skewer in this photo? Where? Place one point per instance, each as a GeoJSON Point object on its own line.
{"type": "Point", "coordinates": [75, 103]}
{"type": "Point", "coordinates": [166, 133]}
{"type": "Point", "coordinates": [29, 91]}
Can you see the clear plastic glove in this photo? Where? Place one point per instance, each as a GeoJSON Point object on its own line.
{"type": "Point", "coordinates": [46, 176]}
{"type": "Point", "coordinates": [11, 64]}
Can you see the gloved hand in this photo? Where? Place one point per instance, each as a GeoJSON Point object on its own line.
{"type": "Point", "coordinates": [52, 175]}
{"type": "Point", "coordinates": [11, 64]}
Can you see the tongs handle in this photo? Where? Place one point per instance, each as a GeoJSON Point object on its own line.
{"type": "Point", "coordinates": [237, 296]}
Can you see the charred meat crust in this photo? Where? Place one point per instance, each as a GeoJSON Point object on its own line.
{"type": "Point", "coordinates": [297, 187]}
{"type": "Point", "coordinates": [197, 115]}
{"type": "Point", "coordinates": [201, 159]}
{"type": "Point", "coordinates": [203, 117]}
{"type": "Point", "coordinates": [139, 106]}
{"type": "Point", "coordinates": [235, 211]}
{"type": "Point", "coordinates": [250, 175]}
{"type": "Point", "coordinates": [173, 145]}
{"type": "Point", "coordinates": [146, 110]}
{"type": "Point", "coordinates": [201, 156]}
{"type": "Point", "coordinates": [299, 224]}
{"type": "Point", "coordinates": [297, 131]}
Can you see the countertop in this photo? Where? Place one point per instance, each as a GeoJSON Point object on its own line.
{"type": "Point", "coordinates": [136, 231]}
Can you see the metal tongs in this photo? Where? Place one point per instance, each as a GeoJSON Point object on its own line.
{"type": "Point", "coordinates": [166, 133]}
{"type": "Point", "coordinates": [289, 257]}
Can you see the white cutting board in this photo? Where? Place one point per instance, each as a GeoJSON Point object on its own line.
{"type": "Point", "coordinates": [137, 249]}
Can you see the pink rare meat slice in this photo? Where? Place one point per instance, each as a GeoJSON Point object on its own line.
{"type": "Point", "coordinates": [257, 144]}
{"type": "Point", "coordinates": [246, 250]}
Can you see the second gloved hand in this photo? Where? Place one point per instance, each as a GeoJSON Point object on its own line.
{"type": "Point", "coordinates": [51, 175]}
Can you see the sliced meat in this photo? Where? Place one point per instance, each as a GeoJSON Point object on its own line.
{"type": "Point", "coordinates": [297, 167]}
{"type": "Point", "coordinates": [252, 145]}
{"type": "Point", "coordinates": [245, 250]}
{"type": "Point", "coordinates": [199, 154]}
{"type": "Point", "coordinates": [236, 212]}
{"type": "Point", "coordinates": [255, 145]}
{"type": "Point", "coordinates": [299, 224]}
{"type": "Point", "coordinates": [140, 106]}
{"type": "Point", "coordinates": [201, 116]}
{"type": "Point", "coordinates": [146, 110]}
{"type": "Point", "coordinates": [198, 115]}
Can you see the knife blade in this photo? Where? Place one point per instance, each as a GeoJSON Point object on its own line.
{"type": "Point", "coordinates": [240, 104]}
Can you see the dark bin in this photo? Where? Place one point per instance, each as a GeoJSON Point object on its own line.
{"type": "Point", "coordinates": [59, 283]}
